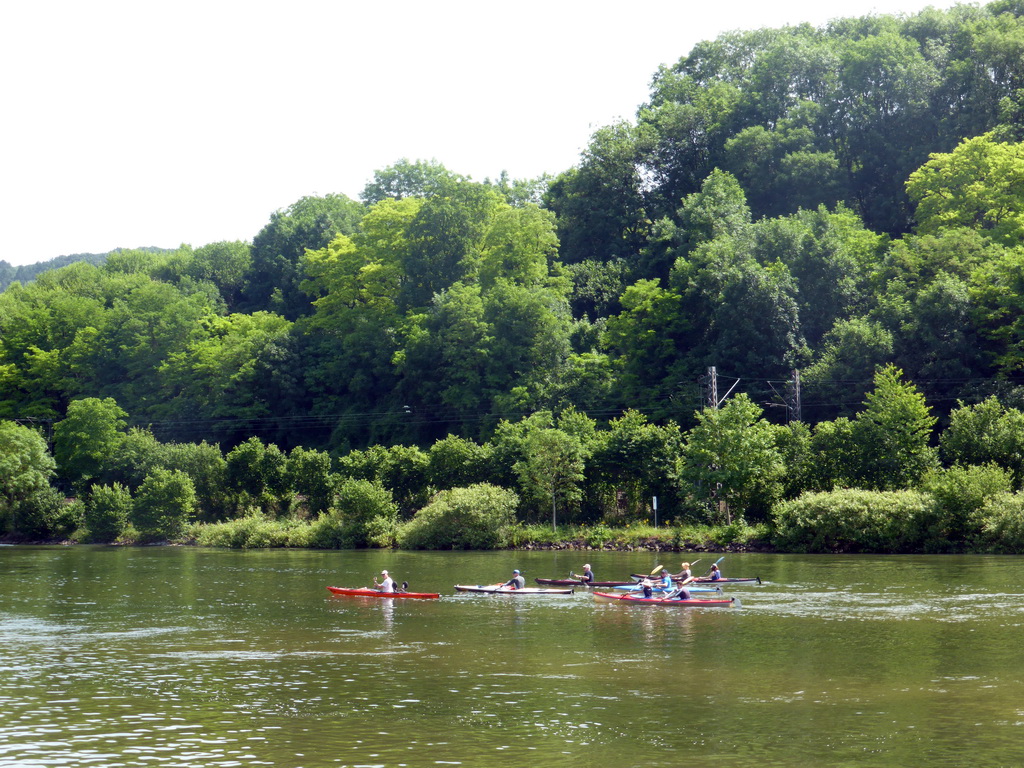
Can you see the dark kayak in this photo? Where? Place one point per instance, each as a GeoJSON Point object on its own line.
{"type": "Point", "coordinates": [580, 583]}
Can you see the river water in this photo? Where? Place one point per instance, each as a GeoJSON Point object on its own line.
{"type": "Point", "coordinates": [197, 657]}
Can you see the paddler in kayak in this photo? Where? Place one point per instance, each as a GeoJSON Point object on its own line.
{"type": "Point", "coordinates": [388, 585]}
{"type": "Point", "coordinates": [684, 573]}
{"type": "Point", "coordinates": [666, 580]}
{"type": "Point", "coordinates": [679, 592]}
{"type": "Point", "coordinates": [516, 582]}
{"type": "Point", "coordinates": [587, 577]}
{"type": "Point", "coordinates": [647, 587]}
{"type": "Point", "coordinates": [715, 574]}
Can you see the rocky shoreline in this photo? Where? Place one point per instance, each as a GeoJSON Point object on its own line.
{"type": "Point", "coordinates": [650, 545]}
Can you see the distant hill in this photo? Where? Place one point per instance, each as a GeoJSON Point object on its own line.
{"type": "Point", "coordinates": [29, 272]}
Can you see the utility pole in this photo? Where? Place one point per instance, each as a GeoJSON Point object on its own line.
{"type": "Point", "coordinates": [794, 397]}
{"type": "Point", "coordinates": [713, 387]}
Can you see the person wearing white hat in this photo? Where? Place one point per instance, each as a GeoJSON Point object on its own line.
{"type": "Point", "coordinates": [588, 575]}
{"type": "Point", "coordinates": [388, 585]}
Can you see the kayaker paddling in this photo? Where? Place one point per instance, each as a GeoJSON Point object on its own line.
{"type": "Point", "coordinates": [648, 588]}
{"type": "Point", "coordinates": [666, 580]}
{"type": "Point", "coordinates": [516, 582]}
{"type": "Point", "coordinates": [679, 592]}
{"type": "Point", "coordinates": [587, 577]}
{"type": "Point", "coordinates": [388, 585]}
{"type": "Point", "coordinates": [684, 572]}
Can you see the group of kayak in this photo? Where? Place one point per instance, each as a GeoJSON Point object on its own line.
{"type": "Point", "coordinates": [657, 588]}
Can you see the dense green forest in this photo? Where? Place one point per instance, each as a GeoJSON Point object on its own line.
{"type": "Point", "coordinates": [799, 269]}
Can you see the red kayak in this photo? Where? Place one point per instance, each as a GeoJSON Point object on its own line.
{"type": "Point", "coordinates": [606, 597]}
{"type": "Point", "coordinates": [364, 592]}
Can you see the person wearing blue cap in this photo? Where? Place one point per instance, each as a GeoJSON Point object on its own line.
{"type": "Point", "coordinates": [516, 582]}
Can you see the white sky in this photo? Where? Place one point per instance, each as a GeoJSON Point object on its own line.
{"type": "Point", "coordinates": [128, 124]}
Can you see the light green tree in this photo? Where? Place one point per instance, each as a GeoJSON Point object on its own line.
{"type": "Point", "coordinates": [980, 184]}
{"type": "Point", "coordinates": [551, 473]}
{"type": "Point", "coordinates": [87, 437]}
{"type": "Point", "coordinates": [892, 435]}
{"type": "Point", "coordinates": [732, 461]}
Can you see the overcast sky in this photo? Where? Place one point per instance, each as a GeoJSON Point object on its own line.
{"type": "Point", "coordinates": [148, 123]}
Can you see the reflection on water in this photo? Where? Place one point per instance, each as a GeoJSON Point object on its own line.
{"type": "Point", "coordinates": [206, 658]}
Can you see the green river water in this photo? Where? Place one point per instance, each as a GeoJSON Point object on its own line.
{"type": "Point", "coordinates": [197, 657]}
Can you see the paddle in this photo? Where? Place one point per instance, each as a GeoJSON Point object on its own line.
{"type": "Point", "coordinates": [656, 569]}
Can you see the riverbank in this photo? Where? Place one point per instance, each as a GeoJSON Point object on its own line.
{"type": "Point", "coordinates": [281, 534]}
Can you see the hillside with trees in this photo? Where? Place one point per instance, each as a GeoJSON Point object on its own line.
{"type": "Point", "coordinates": [796, 272]}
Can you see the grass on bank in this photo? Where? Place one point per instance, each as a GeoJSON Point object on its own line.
{"type": "Point", "coordinates": [256, 532]}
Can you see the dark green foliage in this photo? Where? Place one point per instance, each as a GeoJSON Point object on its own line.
{"type": "Point", "coordinates": [961, 495]}
{"type": "Point", "coordinates": [986, 433]}
{"type": "Point", "coordinates": [365, 516]}
{"type": "Point", "coordinates": [312, 222]}
{"type": "Point", "coordinates": [164, 504]}
{"type": "Point", "coordinates": [45, 515]}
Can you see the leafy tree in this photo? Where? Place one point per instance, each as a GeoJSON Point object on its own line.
{"type": "Point", "coordinates": [892, 434]}
{"type": "Point", "coordinates": [600, 203]}
{"type": "Point", "coordinates": [86, 439]}
{"type": "Point", "coordinates": [164, 504]}
{"type": "Point", "coordinates": [107, 512]}
{"type": "Point", "coordinates": [828, 255]}
{"type": "Point", "coordinates": [961, 494]}
{"type": "Point", "coordinates": [551, 472]}
{"type": "Point", "coordinates": [1003, 524]}
{"type": "Point", "coordinates": [635, 460]}
{"type": "Point", "coordinates": [985, 433]}
{"type": "Point", "coordinates": [25, 464]}
{"type": "Point", "coordinates": [443, 241]}
{"type": "Point", "coordinates": [731, 459]}
{"type": "Point", "coordinates": [648, 343]}
{"type": "Point", "coordinates": [418, 178]}
{"type": "Point", "coordinates": [44, 515]}
{"type": "Point", "coordinates": [136, 454]}
{"type": "Point", "coordinates": [365, 516]}
{"type": "Point", "coordinates": [833, 456]}
{"type": "Point", "coordinates": [257, 472]}
{"type": "Point", "coordinates": [225, 264]}
{"type": "Point", "coordinates": [399, 468]}
{"type": "Point", "coordinates": [308, 473]}
{"type": "Point", "coordinates": [216, 375]}
{"type": "Point", "coordinates": [850, 353]}
{"type": "Point", "coordinates": [977, 185]}
{"type": "Point", "coordinates": [597, 286]}
{"type": "Point", "coordinates": [456, 462]}
{"type": "Point", "coordinates": [309, 223]}
{"type": "Point", "coordinates": [207, 469]}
